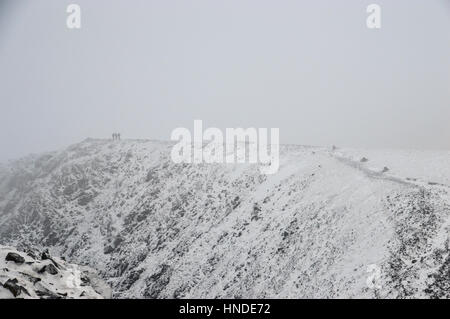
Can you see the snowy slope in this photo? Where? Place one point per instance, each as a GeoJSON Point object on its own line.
{"type": "Point", "coordinates": [32, 275]}
{"type": "Point", "coordinates": [155, 229]}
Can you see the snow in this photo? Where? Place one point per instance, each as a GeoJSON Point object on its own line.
{"type": "Point", "coordinates": [424, 165]}
{"type": "Point", "coordinates": [156, 229]}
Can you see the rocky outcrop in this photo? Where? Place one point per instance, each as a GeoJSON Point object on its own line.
{"type": "Point", "coordinates": [23, 275]}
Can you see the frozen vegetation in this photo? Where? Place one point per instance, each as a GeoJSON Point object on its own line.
{"type": "Point", "coordinates": [155, 229]}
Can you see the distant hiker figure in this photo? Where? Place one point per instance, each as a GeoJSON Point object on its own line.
{"type": "Point", "coordinates": [114, 136]}
{"type": "Point", "coordinates": [118, 136]}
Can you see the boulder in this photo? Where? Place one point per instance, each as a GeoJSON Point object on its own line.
{"type": "Point", "coordinates": [15, 257]}
{"type": "Point", "coordinates": [45, 255]}
{"type": "Point", "coordinates": [108, 250]}
{"type": "Point", "coordinates": [11, 285]}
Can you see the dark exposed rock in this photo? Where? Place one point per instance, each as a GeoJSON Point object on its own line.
{"type": "Point", "coordinates": [31, 254]}
{"type": "Point", "coordinates": [45, 255]}
{"type": "Point", "coordinates": [16, 290]}
{"type": "Point", "coordinates": [108, 249]}
{"type": "Point", "coordinates": [15, 257]}
{"type": "Point", "coordinates": [117, 241]}
{"type": "Point", "coordinates": [47, 294]}
{"type": "Point", "coordinates": [85, 281]}
{"type": "Point", "coordinates": [50, 268]}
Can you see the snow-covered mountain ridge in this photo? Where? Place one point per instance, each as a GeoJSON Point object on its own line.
{"type": "Point", "coordinates": [156, 229]}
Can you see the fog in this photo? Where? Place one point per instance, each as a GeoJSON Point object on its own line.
{"type": "Point", "coordinates": [142, 68]}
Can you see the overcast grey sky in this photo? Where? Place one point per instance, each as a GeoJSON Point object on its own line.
{"type": "Point", "coordinates": [311, 68]}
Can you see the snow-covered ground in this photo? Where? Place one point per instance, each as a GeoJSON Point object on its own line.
{"type": "Point", "coordinates": [326, 225]}
{"type": "Point", "coordinates": [427, 166]}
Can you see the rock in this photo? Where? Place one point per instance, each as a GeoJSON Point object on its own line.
{"type": "Point", "coordinates": [15, 257]}
{"type": "Point", "coordinates": [47, 294]}
{"type": "Point", "coordinates": [31, 253]}
{"type": "Point", "coordinates": [11, 285]}
{"type": "Point", "coordinates": [45, 280]}
{"type": "Point", "coordinates": [50, 268]}
{"type": "Point", "coordinates": [117, 241]}
{"type": "Point", "coordinates": [363, 160]}
{"type": "Point", "coordinates": [45, 255]}
{"type": "Point", "coordinates": [108, 249]}
{"type": "Point", "coordinates": [85, 281]}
